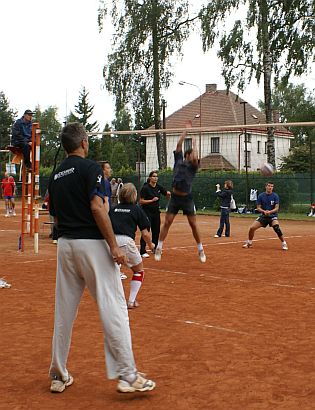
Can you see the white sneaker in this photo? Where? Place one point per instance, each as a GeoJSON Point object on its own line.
{"type": "Point", "coordinates": [6, 215]}
{"type": "Point", "coordinates": [285, 246]}
{"type": "Point", "coordinates": [145, 255]}
{"type": "Point", "coordinates": [58, 386]}
{"type": "Point", "coordinates": [202, 256]}
{"type": "Point", "coordinates": [123, 276]}
{"type": "Point", "coordinates": [139, 384]}
{"type": "Point", "coordinates": [247, 245]}
{"type": "Point", "coordinates": [216, 236]}
{"type": "Point", "coordinates": [158, 254]}
{"type": "Point", "coordinates": [14, 214]}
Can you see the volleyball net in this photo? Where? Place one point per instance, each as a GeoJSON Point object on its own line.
{"type": "Point", "coordinates": [228, 152]}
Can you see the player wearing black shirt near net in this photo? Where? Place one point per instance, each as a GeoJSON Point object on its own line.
{"type": "Point", "coordinates": [87, 256]}
{"type": "Point", "coordinates": [126, 217]}
{"type": "Point", "coordinates": [185, 169]}
{"type": "Point", "coordinates": [150, 196]}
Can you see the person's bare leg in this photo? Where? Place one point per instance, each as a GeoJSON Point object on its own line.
{"type": "Point", "coordinates": [192, 219]}
{"type": "Point", "coordinates": [169, 218]}
{"type": "Point", "coordinates": [256, 225]}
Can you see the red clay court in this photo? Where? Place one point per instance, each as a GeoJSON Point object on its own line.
{"type": "Point", "coordinates": [237, 332]}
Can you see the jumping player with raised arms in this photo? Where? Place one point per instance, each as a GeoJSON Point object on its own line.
{"type": "Point", "coordinates": [185, 169]}
{"type": "Point", "coordinates": [268, 206]}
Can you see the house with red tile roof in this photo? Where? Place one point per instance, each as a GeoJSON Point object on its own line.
{"type": "Point", "coordinates": [224, 149]}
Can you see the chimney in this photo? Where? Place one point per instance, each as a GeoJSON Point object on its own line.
{"type": "Point", "coordinates": [211, 88]}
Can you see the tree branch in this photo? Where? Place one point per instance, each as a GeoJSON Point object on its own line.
{"type": "Point", "coordinates": [177, 26]}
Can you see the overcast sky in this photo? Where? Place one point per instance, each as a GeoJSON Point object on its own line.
{"type": "Point", "coordinates": [51, 48]}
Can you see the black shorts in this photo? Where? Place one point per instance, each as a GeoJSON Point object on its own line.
{"type": "Point", "coordinates": [184, 203]}
{"type": "Point", "coordinates": [266, 220]}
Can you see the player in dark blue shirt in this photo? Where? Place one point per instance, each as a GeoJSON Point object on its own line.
{"type": "Point", "coordinates": [268, 206]}
{"type": "Point", "coordinates": [185, 169]}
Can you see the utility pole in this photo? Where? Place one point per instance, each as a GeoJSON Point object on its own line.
{"type": "Point", "coordinates": [246, 155]}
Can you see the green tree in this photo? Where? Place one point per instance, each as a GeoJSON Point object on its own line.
{"type": "Point", "coordinates": [119, 157]}
{"type": "Point", "coordinates": [296, 104]}
{"type": "Point", "coordinates": [144, 119]}
{"type": "Point", "coordinates": [6, 120]}
{"type": "Point", "coordinates": [147, 34]}
{"type": "Point", "coordinates": [83, 113]}
{"type": "Point", "coordinates": [273, 41]}
{"type": "Point", "coordinates": [106, 145]}
{"type": "Point", "coordinates": [298, 160]}
{"type": "Point", "coordinates": [50, 130]}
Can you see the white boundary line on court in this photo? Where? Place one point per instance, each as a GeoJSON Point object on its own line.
{"type": "Point", "coordinates": [234, 242]}
{"type": "Point", "coordinates": [224, 278]}
{"type": "Point", "coordinates": [220, 328]}
{"type": "Point", "coordinates": [37, 260]}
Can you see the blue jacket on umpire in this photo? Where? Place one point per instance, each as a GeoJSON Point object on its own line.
{"type": "Point", "coordinates": [21, 131]}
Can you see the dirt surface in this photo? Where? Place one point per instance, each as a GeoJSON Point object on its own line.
{"type": "Point", "coordinates": [237, 332]}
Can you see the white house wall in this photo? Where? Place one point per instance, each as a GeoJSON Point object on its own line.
{"type": "Point", "coordinates": [229, 149]}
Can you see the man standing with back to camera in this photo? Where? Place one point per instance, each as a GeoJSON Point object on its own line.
{"type": "Point", "coordinates": [87, 256]}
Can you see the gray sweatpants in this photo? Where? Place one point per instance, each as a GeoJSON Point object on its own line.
{"type": "Point", "coordinates": [88, 262]}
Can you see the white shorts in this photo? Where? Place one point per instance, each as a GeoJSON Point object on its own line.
{"type": "Point", "coordinates": [128, 246]}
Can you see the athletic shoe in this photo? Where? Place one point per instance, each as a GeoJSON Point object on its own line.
{"type": "Point", "coordinates": [133, 305]}
{"type": "Point", "coordinates": [247, 245]}
{"type": "Point", "coordinates": [145, 255]}
{"type": "Point", "coordinates": [217, 236]}
{"type": "Point", "coordinates": [55, 241]}
{"type": "Point", "coordinates": [285, 246]}
{"type": "Point", "coordinates": [158, 254]}
{"type": "Point", "coordinates": [14, 214]}
{"type": "Point", "coordinates": [140, 384]}
{"type": "Point", "coordinates": [6, 215]}
{"type": "Point", "coordinates": [202, 256]}
{"type": "Point", "coordinates": [58, 386]}
{"type": "Point", "coordinates": [123, 276]}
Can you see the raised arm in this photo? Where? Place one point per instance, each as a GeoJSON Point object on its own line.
{"type": "Point", "coordinates": [194, 154]}
{"type": "Point", "coordinates": [179, 146]}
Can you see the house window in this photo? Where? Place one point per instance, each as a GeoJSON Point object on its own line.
{"type": "Point", "coordinates": [248, 157]}
{"type": "Point", "coordinates": [215, 145]}
{"type": "Point", "coordinates": [258, 147]}
{"type": "Point", "coordinates": [265, 147]}
{"type": "Point", "coordinates": [248, 138]}
{"type": "Point", "coordinates": [187, 144]}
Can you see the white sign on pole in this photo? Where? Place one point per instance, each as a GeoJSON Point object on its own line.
{"type": "Point", "coordinates": [10, 168]}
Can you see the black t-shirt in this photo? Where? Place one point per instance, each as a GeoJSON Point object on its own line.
{"type": "Point", "coordinates": [184, 173]}
{"type": "Point", "coordinates": [126, 218]}
{"type": "Point", "coordinates": [71, 188]}
{"type": "Point", "coordinates": [149, 192]}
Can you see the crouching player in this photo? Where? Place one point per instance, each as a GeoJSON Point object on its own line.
{"type": "Point", "coordinates": [268, 206]}
{"type": "Point", "coordinates": [126, 217]}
